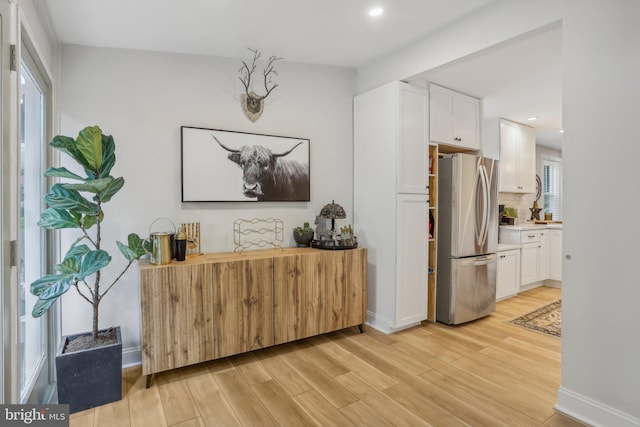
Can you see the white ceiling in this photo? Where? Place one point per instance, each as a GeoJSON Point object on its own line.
{"type": "Point", "coordinates": [517, 79]}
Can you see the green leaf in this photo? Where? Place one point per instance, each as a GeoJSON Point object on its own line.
{"type": "Point", "coordinates": [88, 221]}
{"type": "Point", "coordinates": [78, 251]}
{"type": "Point", "coordinates": [39, 286]}
{"type": "Point", "coordinates": [63, 198]}
{"type": "Point", "coordinates": [68, 145]}
{"type": "Point", "coordinates": [41, 306]}
{"type": "Point", "coordinates": [62, 173]}
{"type": "Point", "coordinates": [94, 261]}
{"type": "Point", "coordinates": [127, 252]}
{"type": "Point", "coordinates": [146, 244]}
{"type": "Point", "coordinates": [89, 144]}
{"type": "Point", "coordinates": [111, 189]}
{"type": "Point", "coordinates": [135, 244]}
{"type": "Point", "coordinates": [92, 186]}
{"type": "Point", "coordinates": [108, 155]}
{"type": "Point", "coordinates": [52, 218]}
{"type": "Point", "coordinates": [55, 289]}
{"type": "Point", "coordinates": [69, 266]}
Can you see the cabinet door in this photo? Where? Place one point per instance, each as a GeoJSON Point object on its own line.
{"type": "Point", "coordinates": [517, 158]}
{"type": "Point", "coordinates": [440, 114]}
{"type": "Point", "coordinates": [543, 272]}
{"type": "Point", "coordinates": [412, 260]}
{"type": "Point", "coordinates": [318, 292]}
{"type": "Point", "coordinates": [243, 306]}
{"type": "Point", "coordinates": [527, 160]}
{"type": "Point", "coordinates": [176, 316]}
{"type": "Point", "coordinates": [508, 157]}
{"type": "Point", "coordinates": [508, 275]}
{"type": "Point", "coordinates": [413, 167]}
{"type": "Point", "coordinates": [466, 122]}
{"type": "Point", "coordinates": [555, 254]}
{"type": "Point", "coordinates": [298, 297]}
{"type": "Point", "coordinates": [529, 263]}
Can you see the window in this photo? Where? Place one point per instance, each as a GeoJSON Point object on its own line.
{"type": "Point", "coordinates": [552, 187]}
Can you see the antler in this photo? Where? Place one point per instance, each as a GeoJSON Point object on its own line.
{"type": "Point", "coordinates": [246, 71]}
{"type": "Point", "coordinates": [268, 71]}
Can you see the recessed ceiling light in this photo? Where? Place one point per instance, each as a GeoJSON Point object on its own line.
{"type": "Point", "coordinates": [532, 118]}
{"type": "Point", "coordinates": [561, 130]}
{"type": "Point", "coordinates": [376, 11]}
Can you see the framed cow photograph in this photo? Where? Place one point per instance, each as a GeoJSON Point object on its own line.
{"type": "Point", "coordinates": [227, 166]}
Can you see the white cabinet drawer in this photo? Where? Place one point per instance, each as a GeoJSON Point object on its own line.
{"type": "Point", "coordinates": [529, 236]}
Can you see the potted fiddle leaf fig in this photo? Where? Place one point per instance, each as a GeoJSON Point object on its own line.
{"type": "Point", "coordinates": [88, 366]}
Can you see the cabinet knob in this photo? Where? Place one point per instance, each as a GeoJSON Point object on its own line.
{"type": "Point", "coordinates": [503, 256]}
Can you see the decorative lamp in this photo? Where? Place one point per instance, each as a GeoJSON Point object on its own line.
{"type": "Point", "coordinates": [333, 211]}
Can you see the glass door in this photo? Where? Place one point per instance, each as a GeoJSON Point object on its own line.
{"type": "Point", "coordinates": [6, 276]}
{"type": "Point", "coordinates": [31, 238]}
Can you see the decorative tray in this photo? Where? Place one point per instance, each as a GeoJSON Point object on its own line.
{"type": "Point", "coordinates": [335, 245]}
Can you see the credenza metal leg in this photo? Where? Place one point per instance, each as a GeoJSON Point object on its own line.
{"type": "Point", "coordinates": [361, 328]}
{"type": "Point", "coordinates": [149, 378]}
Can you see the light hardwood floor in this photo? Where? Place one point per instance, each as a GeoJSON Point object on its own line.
{"type": "Point", "coordinates": [485, 373]}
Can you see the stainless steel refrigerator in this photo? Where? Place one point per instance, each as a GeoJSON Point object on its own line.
{"type": "Point", "coordinates": [467, 238]}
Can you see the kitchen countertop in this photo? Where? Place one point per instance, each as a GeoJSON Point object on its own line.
{"type": "Point", "coordinates": [531, 226]}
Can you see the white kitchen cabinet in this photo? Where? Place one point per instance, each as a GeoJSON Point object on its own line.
{"type": "Point", "coordinates": [543, 271]}
{"type": "Point", "coordinates": [454, 118]}
{"type": "Point", "coordinates": [530, 263]}
{"type": "Point", "coordinates": [533, 253]}
{"type": "Point", "coordinates": [391, 202]}
{"type": "Point", "coordinates": [508, 274]}
{"type": "Point", "coordinates": [413, 157]}
{"type": "Point", "coordinates": [555, 254]}
{"type": "Point", "coordinates": [517, 158]}
{"type": "Point", "coordinates": [411, 264]}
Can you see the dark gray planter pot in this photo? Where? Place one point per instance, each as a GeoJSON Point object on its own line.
{"type": "Point", "coordinates": [303, 240]}
{"type": "Point", "coordinates": [89, 378]}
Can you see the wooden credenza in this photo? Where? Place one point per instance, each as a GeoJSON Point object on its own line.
{"type": "Point", "coordinates": [220, 304]}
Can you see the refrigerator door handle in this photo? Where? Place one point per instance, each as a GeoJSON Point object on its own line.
{"type": "Point", "coordinates": [482, 262]}
{"type": "Point", "coordinates": [481, 200]}
{"type": "Point", "coordinates": [487, 205]}
{"type": "Point", "coordinates": [481, 234]}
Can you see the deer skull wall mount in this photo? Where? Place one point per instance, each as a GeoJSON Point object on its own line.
{"type": "Point", "coordinates": [252, 103]}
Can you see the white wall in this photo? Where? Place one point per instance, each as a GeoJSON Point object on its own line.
{"type": "Point", "coordinates": [142, 99]}
{"type": "Point", "coordinates": [601, 65]}
{"type": "Point", "coordinates": [601, 154]}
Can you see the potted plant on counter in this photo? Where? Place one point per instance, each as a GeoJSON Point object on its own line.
{"type": "Point", "coordinates": [303, 235]}
{"type": "Point", "coordinates": [90, 375]}
{"type": "Point", "coordinates": [510, 215]}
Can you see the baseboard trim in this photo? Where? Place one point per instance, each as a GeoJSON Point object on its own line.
{"type": "Point", "coordinates": [131, 356]}
{"type": "Point", "coordinates": [591, 411]}
{"type": "Point", "coordinates": [383, 324]}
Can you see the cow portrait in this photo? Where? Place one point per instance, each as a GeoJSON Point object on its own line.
{"type": "Point", "coordinates": [270, 176]}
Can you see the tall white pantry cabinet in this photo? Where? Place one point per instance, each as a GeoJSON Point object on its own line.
{"type": "Point", "coordinates": [391, 201]}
